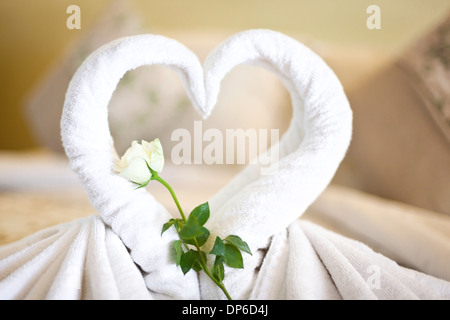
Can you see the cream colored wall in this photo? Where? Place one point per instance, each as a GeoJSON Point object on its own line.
{"type": "Point", "coordinates": [33, 33]}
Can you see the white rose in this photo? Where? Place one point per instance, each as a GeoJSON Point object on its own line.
{"type": "Point", "coordinates": [133, 164]}
{"type": "Point", "coordinates": [155, 152]}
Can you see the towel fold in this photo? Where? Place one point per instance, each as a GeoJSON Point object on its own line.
{"type": "Point", "coordinates": [291, 259]}
{"type": "Point", "coordinates": [307, 261]}
{"type": "Point", "coordinates": [82, 259]}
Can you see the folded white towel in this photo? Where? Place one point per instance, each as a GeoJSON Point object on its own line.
{"type": "Point", "coordinates": [134, 215]}
{"type": "Point", "coordinates": [291, 259]}
{"type": "Point", "coordinates": [412, 236]}
{"type": "Point", "coordinates": [254, 205]}
{"type": "Point", "coordinates": [82, 259]}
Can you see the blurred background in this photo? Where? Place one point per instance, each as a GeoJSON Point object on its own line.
{"type": "Point", "coordinates": [34, 34]}
{"type": "Point", "coordinates": [396, 78]}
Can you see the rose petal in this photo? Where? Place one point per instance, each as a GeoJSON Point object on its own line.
{"type": "Point", "coordinates": [137, 171]}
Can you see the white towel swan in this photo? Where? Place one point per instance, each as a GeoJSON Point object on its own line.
{"type": "Point", "coordinates": [292, 259]}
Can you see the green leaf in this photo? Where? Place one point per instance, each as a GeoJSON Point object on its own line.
{"type": "Point", "coordinates": [178, 224]}
{"type": "Point", "coordinates": [177, 245]}
{"type": "Point", "coordinates": [238, 243]}
{"type": "Point", "coordinates": [187, 260]}
{"type": "Point", "coordinates": [193, 226]}
{"type": "Point", "coordinates": [219, 247]}
{"type": "Point", "coordinates": [218, 270]}
{"type": "Point", "coordinates": [197, 266]}
{"type": "Point", "coordinates": [167, 225]}
{"type": "Point", "coordinates": [219, 260]}
{"type": "Point", "coordinates": [201, 213]}
{"type": "Point", "coordinates": [233, 257]}
{"type": "Point", "coordinates": [190, 229]}
{"type": "Point", "coordinates": [201, 239]}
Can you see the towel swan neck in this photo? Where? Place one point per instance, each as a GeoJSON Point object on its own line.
{"type": "Point", "coordinates": [134, 215]}
{"type": "Point", "coordinates": [258, 204]}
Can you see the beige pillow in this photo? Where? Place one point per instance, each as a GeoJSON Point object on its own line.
{"type": "Point", "coordinates": [401, 141]}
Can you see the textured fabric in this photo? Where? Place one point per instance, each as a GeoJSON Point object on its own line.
{"type": "Point", "coordinates": [82, 259]}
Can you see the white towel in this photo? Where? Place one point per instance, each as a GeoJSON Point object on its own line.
{"type": "Point", "coordinates": [292, 259]}
{"type": "Point", "coordinates": [256, 206]}
{"type": "Point", "coordinates": [134, 215]}
{"type": "Point", "coordinates": [81, 259]}
{"type": "Point", "coordinates": [412, 236]}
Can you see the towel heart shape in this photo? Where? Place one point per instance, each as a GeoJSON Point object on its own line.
{"type": "Point", "coordinates": [253, 206]}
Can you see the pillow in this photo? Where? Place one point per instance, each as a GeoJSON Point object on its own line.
{"type": "Point", "coordinates": [401, 141]}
